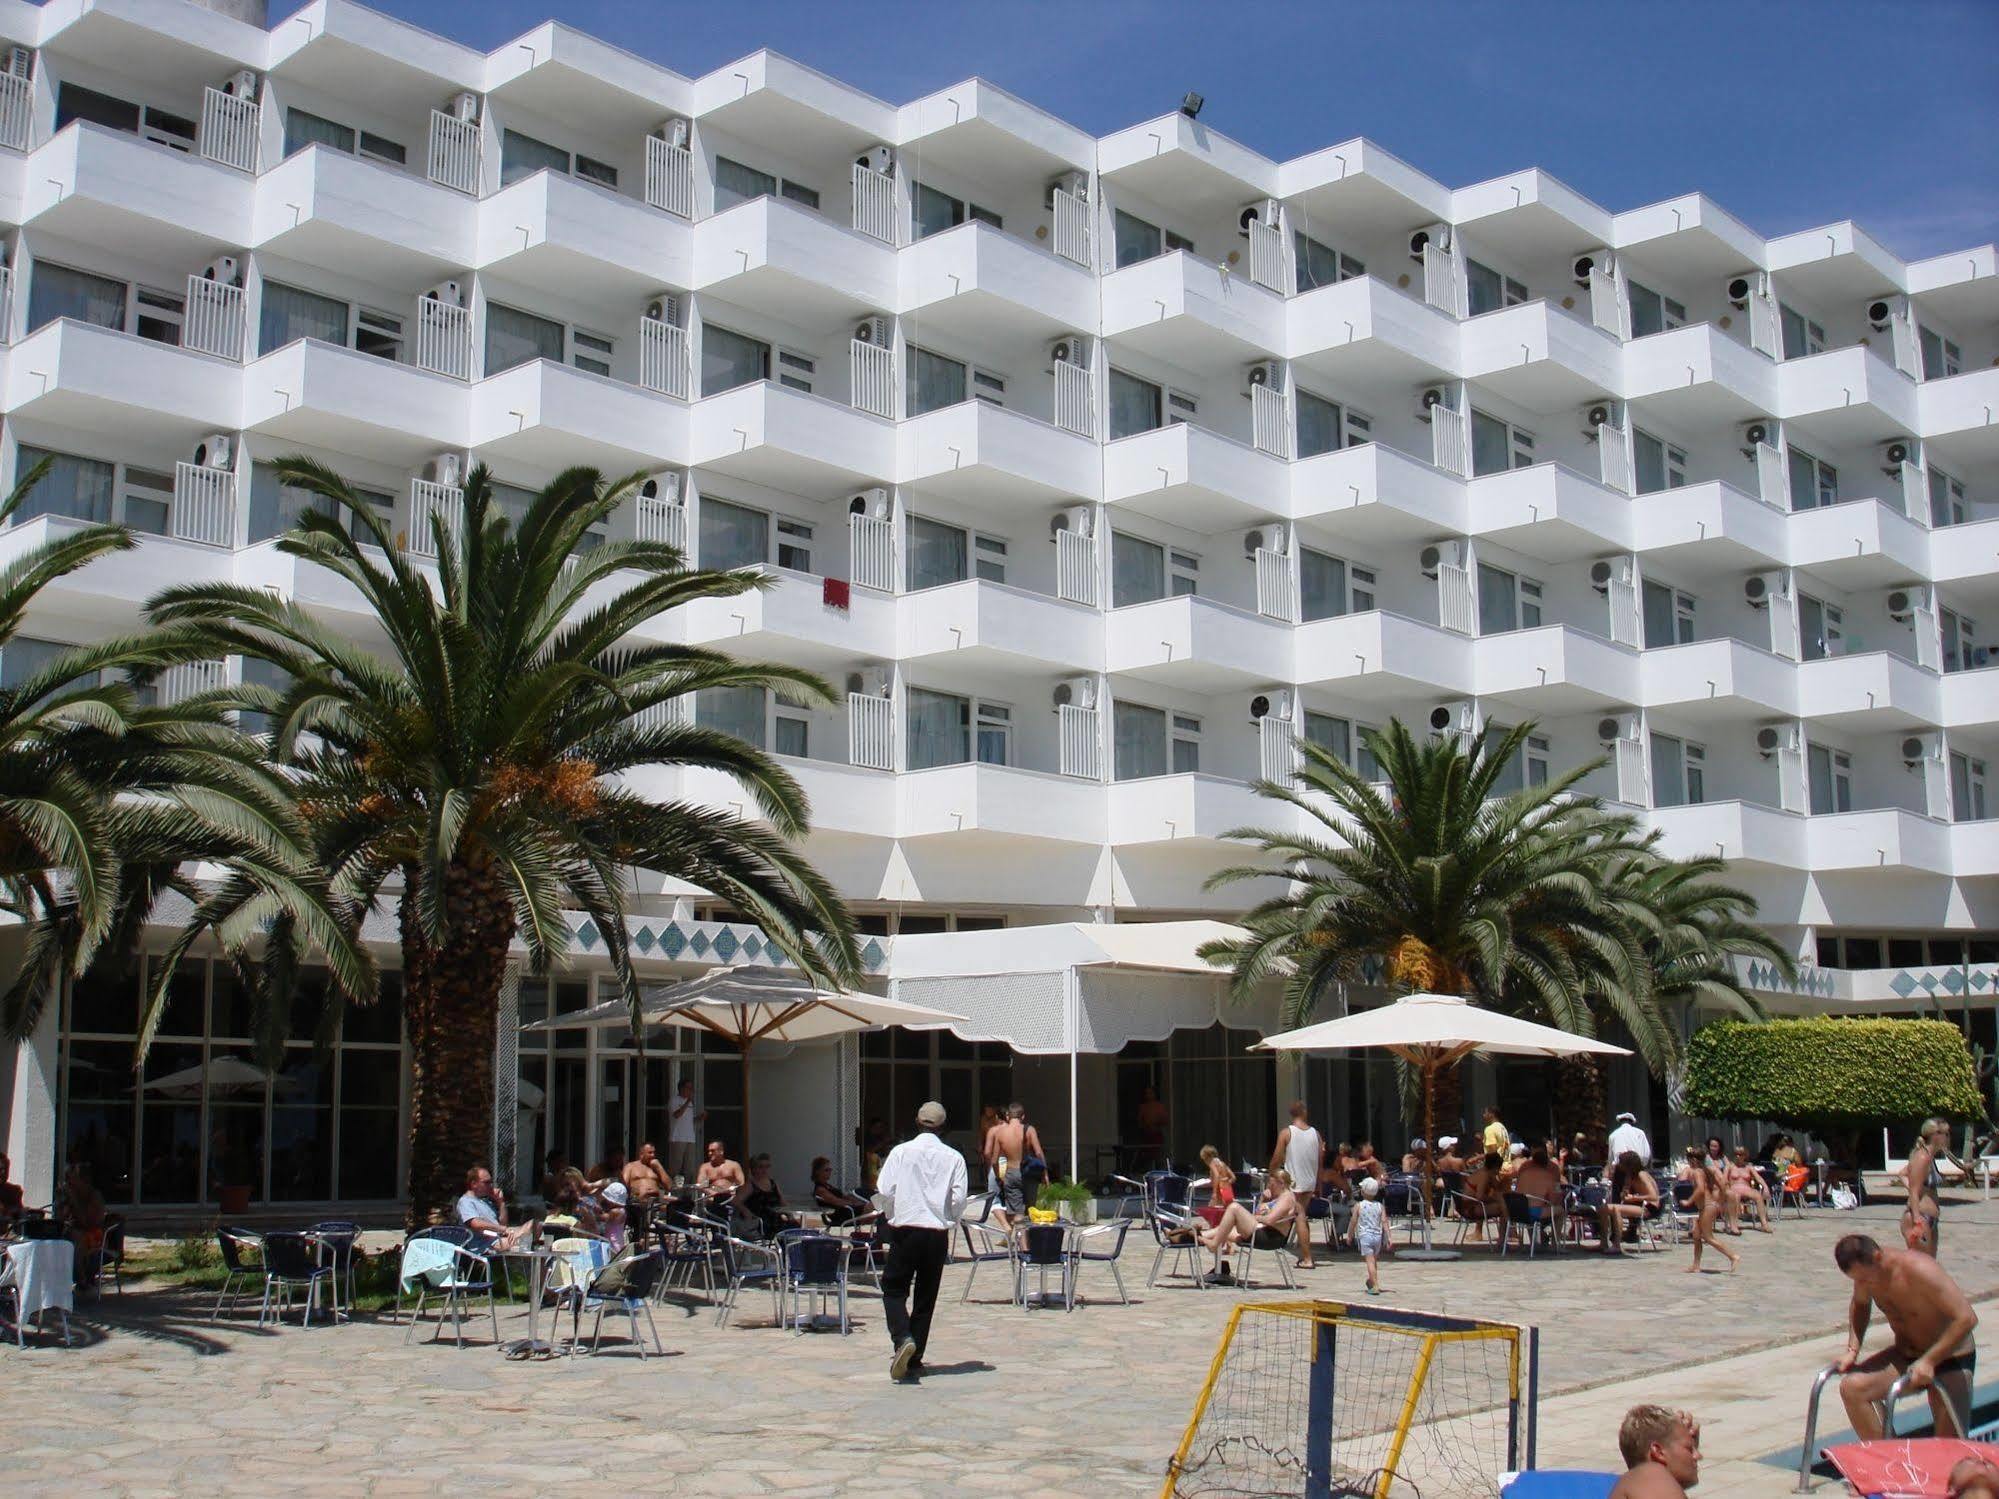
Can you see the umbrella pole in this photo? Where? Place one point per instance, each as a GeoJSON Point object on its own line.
{"type": "Point", "coordinates": [1430, 1064]}
{"type": "Point", "coordinates": [745, 1055]}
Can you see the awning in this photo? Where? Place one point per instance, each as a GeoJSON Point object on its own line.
{"type": "Point", "coordinates": [1160, 946]}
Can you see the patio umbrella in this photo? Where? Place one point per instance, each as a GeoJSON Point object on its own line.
{"type": "Point", "coordinates": [751, 1004]}
{"type": "Point", "coordinates": [223, 1074]}
{"type": "Point", "coordinates": [1432, 1032]}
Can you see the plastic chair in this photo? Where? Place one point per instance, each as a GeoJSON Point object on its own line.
{"type": "Point", "coordinates": [1586, 1209]}
{"type": "Point", "coordinates": [985, 1241]}
{"type": "Point", "coordinates": [745, 1264]}
{"type": "Point", "coordinates": [108, 1256]}
{"type": "Point", "coordinates": [1558, 1483]}
{"type": "Point", "coordinates": [1045, 1247]}
{"type": "Point", "coordinates": [471, 1274]}
{"type": "Point", "coordinates": [1249, 1249]}
{"type": "Point", "coordinates": [290, 1263]}
{"type": "Point", "coordinates": [1175, 1231]}
{"type": "Point", "coordinates": [1534, 1217]}
{"type": "Point", "coordinates": [686, 1244]}
{"type": "Point", "coordinates": [639, 1278]}
{"type": "Point", "coordinates": [1102, 1244]}
{"type": "Point", "coordinates": [1470, 1212]}
{"type": "Point", "coordinates": [233, 1243]}
{"type": "Point", "coordinates": [815, 1267]}
{"type": "Point", "coordinates": [338, 1238]}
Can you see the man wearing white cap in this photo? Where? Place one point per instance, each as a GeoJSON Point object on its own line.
{"type": "Point", "coordinates": [1628, 1136]}
{"type": "Point", "coordinates": [921, 1191]}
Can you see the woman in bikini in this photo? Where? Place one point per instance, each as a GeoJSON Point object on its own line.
{"type": "Point", "coordinates": [1747, 1189]}
{"type": "Point", "coordinates": [1922, 1220]}
{"type": "Point", "coordinates": [1706, 1203]}
{"type": "Point", "coordinates": [1633, 1197]}
{"type": "Point", "coordinates": [1269, 1228]}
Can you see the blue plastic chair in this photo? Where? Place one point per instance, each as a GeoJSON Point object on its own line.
{"type": "Point", "coordinates": [1560, 1483]}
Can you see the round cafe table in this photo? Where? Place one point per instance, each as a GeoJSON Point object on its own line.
{"type": "Point", "coordinates": [538, 1261]}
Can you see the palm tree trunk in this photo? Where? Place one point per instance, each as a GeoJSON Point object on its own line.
{"type": "Point", "coordinates": [451, 999]}
{"type": "Point", "coordinates": [1578, 1096]}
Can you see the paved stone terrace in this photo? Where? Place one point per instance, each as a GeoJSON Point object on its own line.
{"type": "Point", "coordinates": [157, 1400]}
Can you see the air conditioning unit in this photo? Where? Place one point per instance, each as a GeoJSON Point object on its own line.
{"type": "Point", "coordinates": [1430, 559]}
{"type": "Point", "coordinates": [1075, 184]}
{"type": "Point", "coordinates": [1435, 234]}
{"type": "Point", "coordinates": [1071, 348]}
{"type": "Point", "coordinates": [1596, 260]}
{"type": "Point", "coordinates": [1078, 518]}
{"type": "Point", "coordinates": [1600, 574]}
{"type": "Point", "coordinates": [665, 486]}
{"type": "Point", "coordinates": [1773, 737]}
{"type": "Point", "coordinates": [1916, 749]}
{"type": "Point", "coordinates": [878, 159]}
{"type": "Point", "coordinates": [20, 61]}
{"type": "Point", "coordinates": [1453, 718]}
{"type": "Point", "coordinates": [1758, 589]}
{"type": "Point", "coordinates": [1265, 372]}
{"type": "Point", "coordinates": [1596, 415]}
{"type": "Point", "coordinates": [1265, 211]}
{"type": "Point", "coordinates": [1075, 692]}
{"type": "Point", "coordinates": [464, 107]}
{"type": "Point", "coordinates": [1272, 702]}
{"type": "Point", "coordinates": [1615, 727]}
{"type": "Point", "coordinates": [871, 681]}
{"type": "Point", "coordinates": [1894, 454]}
{"type": "Point", "coordinates": [225, 269]}
{"type": "Point", "coordinates": [873, 503]}
{"type": "Point", "coordinates": [873, 330]}
{"type": "Point", "coordinates": [1902, 605]}
{"type": "Point", "coordinates": [447, 468]}
{"type": "Point", "coordinates": [1271, 538]}
{"type": "Point", "coordinates": [1756, 434]}
{"type": "Point", "coordinates": [674, 131]}
{"type": "Point", "coordinates": [1749, 284]}
{"type": "Point", "coordinates": [217, 450]}
{"type": "Point", "coordinates": [664, 308]}
{"type": "Point", "coordinates": [1434, 396]}
{"type": "Point", "coordinates": [1884, 310]}
{"type": "Point", "coordinates": [242, 84]}
{"type": "Point", "coordinates": [450, 293]}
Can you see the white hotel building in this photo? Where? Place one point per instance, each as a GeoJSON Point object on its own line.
{"type": "Point", "coordinates": [1099, 470]}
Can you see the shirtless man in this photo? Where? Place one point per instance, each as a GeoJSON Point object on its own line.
{"type": "Point", "coordinates": [1932, 1324]}
{"type": "Point", "coordinates": [1538, 1180]}
{"type": "Point", "coordinates": [645, 1179]}
{"type": "Point", "coordinates": [719, 1176]}
{"type": "Point", "coordinates": [1973, 1478]}
{"type": "Point", "coordinates": [1662, 1453]}
{"type": "Point", "coordinates": [1012, 1140]}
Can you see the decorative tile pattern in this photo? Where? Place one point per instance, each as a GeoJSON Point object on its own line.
{"type": "Point", "coordinates": [668, 940]}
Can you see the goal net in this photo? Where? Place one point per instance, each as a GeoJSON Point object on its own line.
{"type": "Point", "coordinates": [1324, 1400]}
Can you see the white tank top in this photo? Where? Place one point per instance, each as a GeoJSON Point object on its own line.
{"type": "Point", "coordinates": [1301, 1158]}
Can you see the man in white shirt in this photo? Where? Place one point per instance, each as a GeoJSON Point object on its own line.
{"type": "Point", "coordinates": [925, 1186]}
{"type": "Point", "coordinates": [683, 1157]}
{"type": "Point", "coordinates": [1628, 1136]}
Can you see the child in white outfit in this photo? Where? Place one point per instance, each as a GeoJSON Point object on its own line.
{"type": "Point", "coordinates": [1369, 1230]}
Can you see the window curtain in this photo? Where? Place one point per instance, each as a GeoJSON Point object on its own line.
{"type": "Point", "coordinates": [736, 183]}
{"type": "Point", "coordinates": [1330, 734]}
{"type": "Point", "coordinates": [1797, 339]}
{"type": "Point", "coordinates": [60, 292]}
{"type": "Point", "coordinates": [1134, 239]}
{"type": "Point", "coordinates": [302, 130]}
{"type": "Point", "coordinates": [736, 711]}
{"type": "Point", "coordinates": [79, 488]}
{"type": "Point", "coordinates": [1318, 425]}
{"type": "Point", "coordinates": [1807, 492]}
{"type": "Point", "coordinates": [1134, 404]}
{"type": "Point", "coordinates": [1322, 584]}
{"type": "Point", "coordinates": [939, 729]}
{"type": "Point", "coordinates": [1317, 265]}
{"type": "Point", "coordinates": [1482, 288]}
{"type": "Point", "coordinates": [1498, 604]}
{"type": "Point", "coordinates": [729, 359]}
{"type": "Point", "coordinates": [1491, 450]}
{"type": "Point", "coordinates": [515, 337]}
{"type": "Point", "coordinates": [289, 314]}
{"type": "Point", "coordinates": [1138, 741]}
{"type": "Point", "coordinates": [1138, 571]}
{"type": "Point", "coordinates": [1669, 772]}
{"type": "Point", "coordinates": [732, 536]}
{"type": "Point", "coordinates": [936, 554]}
{"type": "Point", "coordinates": [934, 381]}
{"type": "Point", "coordinates": [1649, 458]}
{"type": "Point", "coordinates": [1660, 625]}
{"type": "Point", "coordinates": [1819, 759]}
{"type": "Point", "coordinates": [935, 211]}
{"type": "Point", "coordinates": [276, 508]}
{"type": "Point", "coordinates": [523, 156]}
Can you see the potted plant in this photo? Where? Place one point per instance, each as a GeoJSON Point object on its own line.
{"type": "Point", "coordinates": [1072, 1201]}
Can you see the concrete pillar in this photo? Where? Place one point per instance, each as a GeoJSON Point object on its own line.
{"type": "Point", "coordinates": [31, 1112]}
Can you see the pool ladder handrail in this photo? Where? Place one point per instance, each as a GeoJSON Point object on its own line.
{"type": "Point", "coordinates": [1896, 1392]}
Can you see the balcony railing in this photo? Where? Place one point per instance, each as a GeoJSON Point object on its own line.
{"type": "Point", "coordinates": [181, 682]}
{"type": "Point", "coordinates": [453, 161]}
{"type": "Point", "coordinates": [1266, 256]}
{"type": "Point", "coordinates": [669, 177]}
{"type": "Point", "coordinates": [1773, 479]}
{"type": "Point", "coordinates": [437, 512]}
{"type": "Point", "coordinates": [1277, 749]}
{"type": "Point", "coordinates": [663, 358]}
{"type": "Point", "coordinates": [1607, 309]}
{"type": "Point", "coordinates": [1633, 782]}
{"type": "Point", "coordinates": [1457, 602]}
{"type": "Point", "coordinates": [874, 204]}
{"type": "Point", "coordinates": [17, 111]}
{"type": "Point", "coordinates": [1270, 420]}
{"type": "Point", "coordinates": [1764, 334]}
{"type": "Point", "coordinates": [871, 731]}
{"type": "Point", "coordinates": [1783, 608]}
{"type": "Point", "coordinates": [443, 339]}
{"type": "Point", "coordinates": [873, 370]}
{"type": "Point", "coordinates": [1623, 602]}
{"type": "Point", "coordinates": [674, 713]}
{"type": "Point", "coordinates": [1080, 743]}
{"type": "Point", "coordinates": [1076, 568]}
{"type": "Point", "coordinates": [204, 507]}
{"type": "Point", "coordinates": [229, 132]}
{"type": "Point", "coordinates": [662, 521]}
{"type": "Point", "coordinates": [1275, 596]}
{"type": "Point", "coordinates": [1443, 287]}
{"type": "Point", "coordinates": [872, 540]}
{"type": "Point", "coordinates": [1613, 447]}
{"type": "Point", "coordinates": [1072, 227]}
{"type": "Point", "coordinates": [1075, 400]}
{"type": "Point", "coordinates": [214, 320]}
{"type": "Point", "coordinates": [1450, 440]}
{"type": "Point", "coordinates": [1915, 494]}
{"type": "Point", "coordinates": [6, 299]}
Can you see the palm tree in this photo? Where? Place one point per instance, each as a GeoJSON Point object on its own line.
{"type": "Point", "coordinates": [481, 761]}
{"type": "Point", "coordinates": [109, 800]}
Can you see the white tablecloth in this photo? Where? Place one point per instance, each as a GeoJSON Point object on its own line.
{"type": "Point", "coordinates": [43, 1272]}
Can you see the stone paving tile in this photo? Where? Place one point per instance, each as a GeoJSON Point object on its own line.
{"type": "Point", "coordinates": [156, 1399]}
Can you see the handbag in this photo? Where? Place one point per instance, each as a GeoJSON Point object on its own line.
{"type": "Point", "coordinates": [1842, 1197]}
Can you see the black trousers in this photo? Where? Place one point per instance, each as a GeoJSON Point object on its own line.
{"type": "Point", "coordinates": [916, 1258]}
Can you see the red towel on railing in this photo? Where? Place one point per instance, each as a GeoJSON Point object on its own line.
{"type": "Point", "coordinates": [834, 593]}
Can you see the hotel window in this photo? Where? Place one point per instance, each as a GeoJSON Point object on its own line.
{"type": "Point", "coordinates": [1138, 741]}
{"type": "Point", "coordinates": [796, 371]}
{"type": "Point", "coordinates": [1142, 571]}
{"type": "Point", "coordinates": [1186, 744]}
{"type": "Point", "coordinates": [303, 129]}
{"type": "Point", "coordinates": [935, 381]}
{"type": "Point", "coordinates": [794, 545]}
{"type": "Point", "coordinates": [289, 313]}
{"type": "Point", "coordinates": [1329, 586]}
{"type": "Point", "coordinates": [730, 359]}
{"type": "Point", "coordinates": [1819, 628]}
{"type": "Point", "coordinates": [791, 735]}
{"type": "Point", "coordinates": [523, 156]}
{"type": "Point", "coordinates": [1134, 239]}
{"type": "Point", "coordinates": [1941, 356]}
{"type": "Point", "coordinates": [1321, 265]}
{"type": "Point", "coordinates": [989, 558]}
{"type": "Point", "coordinates": [1324, 426]}
{"type": "Point", "coordinates": [740, 712]}
{"type": "Point", "coordinates": [1487, 290]}
{"type": "Point", "coordinates": [1830, 773]}
{"type": "Point", "coordinates": [1526, 766]}
{"type": "Point", "coordinates": [1651, 312]}
{"type": "Point", "coordinates": [89, 489]}
{"type": "Point", "coordinates": [936, 211]}
{"type": "Point", "coordinates": [938, 554]}
{"type": "Point", "coordinates": [1506, 601]}
{"type": "Point", "coordinates": [947, 729]}
{"type": "Point", "coordinates": [58, 291]}
{"type": "Point", "coordinates": [1659, 464]}
{"type": "Point", "coordinates": [1801, 335]}
{"type": "Point", "coordinates": [736, 183]}
{"type": "Point", "coordinates": [1960, 651]}
{"type": "Point", "coordinates": [1497, 445]}
{"type": "Point", "coordinates": [1135, 404]}
{"type": "Point", "coordinates": [1813, 482]}
{"type": "Point", "coordinates": [1967, 788]}
{"type": "Point", "coordinates": [1679, 772]}
{"type": "Point", "coordinates": [276, 508]}
{"type": "Point", "coordinates": [1669, 615]}
{"type": "Point", "coordinates": [1947, 503]}
{"type": "Point", "coordinates": [514, 337]}
{"type": "Point", "coordinates": [732, 536]}
{"type": "Point", "coordinates": [74, 102]}
{"type": "Point", "coordinates": [1333, 735]}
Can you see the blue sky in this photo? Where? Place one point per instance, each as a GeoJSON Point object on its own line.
{"type": "Point", "coordinates": [1790, 115]}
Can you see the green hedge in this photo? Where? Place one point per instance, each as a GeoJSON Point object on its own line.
{"type": "Point", "coordinates": [1830, 1073]}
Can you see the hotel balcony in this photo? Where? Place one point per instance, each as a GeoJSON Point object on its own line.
{"type": "Point", "coordinates": [555, 232]}
{"type": "Point", "coordinates": [1555, 670]}
{"type": "Point", "coordinates": [158, 205]}
{"type": "Point", "coordinates": [788, 439]}
{"type": "Point", "coordinates": [981, 623]}
{"type": "Point", "coordinates": [1380, 657]}
{"type": "Point", "coordinates": [1963, 554]}
{"type": "Point", "coordinates": [1192, 313]}
{"type": "Point", "coordinates": [1188, 476]}
{"type": "Point", "coordinates": [1860, 544]}
{"type": "Point", "coordinates": [1000, 799]}
{"type": "Point", "coordinates": [1966, 403]}
{"type": "Point", "coordinates": [1716, 525]}
{"type": "Point", "coordinates": [1739, 831]}
{"type": "Point", "coordinates": [1868, 691]}
{"type": "Point", "coordinates": [1176, 808]}
{"type": "Point", "coordinates": [1365, 331]}
{"type": "Point", "coordinates": [981, 285]}
{"type": "Point", "coordinates": [549, 416]}
{"type": "Point", "coordinates": [1376, 493]}
{"type": "Point", "coordinates": [1970, 699]}
{"type": "Point", "coordinates": [1550, 512]}
{"type": "Point", "coordinates": [1540, 357]}
{"type": "Point", "coordinates": [791, 620]}
{"type": "Point", "coordinates": [985, 453]}
{"type": "Point", "coordinates": [1880, 838]}
{"type": "Point", "coordinates": [99, 379]}
{"type": "Point", "coordinates": [1201, 645]}
{"type": "Point", "coordinates": [1698, 376]}
{"type": "Point", "coordinates": [792, 262]}
{"type": "Point", "coordinates": [1851, 393]}
{"type": "Point", "coordinates": [362, 219]}
{"type": "Point", "coordinates": [1718, 681]}
{"type": "Point", "coordinates": [321, 395]}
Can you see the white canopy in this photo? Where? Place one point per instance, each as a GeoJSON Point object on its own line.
{"type": "Point", "coordinates": [1439, 1027]}
{"type": "Point", "coordinates": [221, 1075]}
{"type": "Point", "coordinates": [752, 1004]}
{"type": "Point", "coordinates": [1162, 946]}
